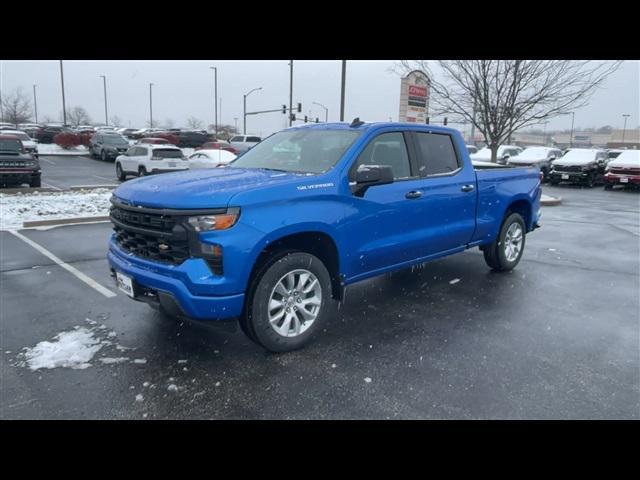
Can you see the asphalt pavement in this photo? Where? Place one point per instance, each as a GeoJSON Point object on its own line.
{"type": "Point", "coordinates": [557, 338]}
{"type": "Point", "coordinates": [62, 172]}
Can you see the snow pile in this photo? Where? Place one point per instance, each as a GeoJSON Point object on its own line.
{"type": "Point", "coordinates": [53, 149]}
{"type": "Point", "coordinates": [16, 209]}
{"type": "Point", "coordinates": [73, 349]}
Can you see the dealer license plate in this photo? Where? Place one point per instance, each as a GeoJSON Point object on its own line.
{"type": "Point", "coordinates": [565, 176]}
{"type": "Point", "coordinates": [125, 283]}
{"type": "Point", "coordinates": [624, 179]}
{"type": "Point", "coordinates": [172, 164]}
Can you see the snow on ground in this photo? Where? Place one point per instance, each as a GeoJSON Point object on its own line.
{"type": "Point", "coordinates": [53, 149]}
{"type": "Point", "coordinates": [73, 349]}
{"type": "Point", "coordinates": [20, 208]}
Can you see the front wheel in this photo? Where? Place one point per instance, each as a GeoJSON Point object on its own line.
{"type": "Point", "coordinates": [122, 176]}
{"type": "Point", "coordinates": [506, 251]}
{"type": "Point", "coordinates": [36, 182]}
{"type": "Point", "coordinates": [289, 303]}
{"type": "Point", "coordinates": [142, 172]}
{"type": "Point", "coordinates": [103, 156]}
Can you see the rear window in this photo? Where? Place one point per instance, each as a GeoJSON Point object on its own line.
{"type": "Point", "coordinates": [436, 155]}
{"type": "Point", "coordinates": [10, 144]}
{"type": "Point", "coordinates": [167, 153]}
{"type": "Point", "coordinates": [237, 139]}
{"type": "Point", "coordinates": [253, 139]}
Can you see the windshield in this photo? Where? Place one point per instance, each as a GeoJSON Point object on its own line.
{"type": "Point", "coordinates": [167, 153]}
{"type": "Point", "coordinates": [533, 153]}
{"type": "Point", "coordinates": [305, 151]}
{"type": "Point", "coordinates": [630, 156]}
{"type": "Point", "coordinates": [115, 140]}
{"type": "Point", "coordinates": [20, 135]}
{"type": "Point", "coordinates": [10, 145]}
{"type": "Point", "coordinates": [579, 155]}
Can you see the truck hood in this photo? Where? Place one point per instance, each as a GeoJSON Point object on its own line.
{"type": "Point", "coordinates": [573, 163]}
{"type": "Point", "coordinates": [527, 160]}
{"type": "Point", "coordinates": [202, 188]}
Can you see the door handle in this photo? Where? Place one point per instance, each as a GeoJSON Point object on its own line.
{"type": "Point", "coordinates": [467, 188]}
{"type": "Point", "coordinates": [413, 194]}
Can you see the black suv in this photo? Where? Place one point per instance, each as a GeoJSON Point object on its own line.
{"type": "Point", "coordinates": [192, 139]}
{"type": "Point", "coordinates": [46, 134]}
{"type": "Point", "coordinates": [16, 165]}
{"type": "Point", "coordinates": [107, 146]}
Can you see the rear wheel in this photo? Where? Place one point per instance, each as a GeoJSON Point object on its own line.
{"type": "Point", "coordinates": [142, 172]}
{"type": "Point", "coordinates": [608, 186]}
{"type": "Point", "coordinates": [121, 174]}
{"type": "Point", "coordinates": [289, 303]}
{"type": "Point", "coordinates": [103, 156]}
{"type": "Point", "coordinates": [505, 252]}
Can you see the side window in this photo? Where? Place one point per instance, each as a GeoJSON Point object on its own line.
{"type": "Point", "coordinates": [436, 154]}
{"type": "Point", "coordinates": [386, 149]}
{"type": "Point", "coordinates": [236, 139]}
{"type": "Point", "coordinates": [253, 139]}
{"type": "Point", "coordinates": [142, 152]}
{"type": "Point", "coordinates": [131, 152]}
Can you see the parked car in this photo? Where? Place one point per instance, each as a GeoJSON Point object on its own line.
{"type": "Point", "coordinates": [30, 145]}
{"type": "Point", "coordinates": [505, 152]}
{"type": "Point", "coordinates": [107, 145]}
{"type": "Point", "coordinates": [242, 143]}
{"type": "Point", "coordinates": [154, 141]}
{"type": "Point", "coordinates": [46, 134]}
{"type": "Point", "coordinates": [472, 149]}
{"type": "Point", "coordinates": [147, 159]}
{"type": "Point", "coordinates": [16, 165]}
{"type": "Point", "coordinates": [579, 165]}
{"type": "Point", "coordinates": [623, 170]}
{"type": "Point", "coordinates": [143, 132]}
{"type": "Point", "coordinates": [210, 158]}
{"type": "Point", "coordinates": [274, 239]}
{"type": "Point", "coordinates": [540, 157]}
{"type": "Point", "coordinates": [192, 139]}
{"type": "Point", "coordinates": [127, 132]}
{"type": "Point", "coordinates": [219, 145]}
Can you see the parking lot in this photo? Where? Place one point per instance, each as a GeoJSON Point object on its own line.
{"type": "Point", "coordinates": [559, 337]}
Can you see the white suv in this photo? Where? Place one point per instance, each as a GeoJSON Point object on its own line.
{"type": "Point", "coordinates": [145, 159]}
{"type": "Point", "coordinates": [242, 143]}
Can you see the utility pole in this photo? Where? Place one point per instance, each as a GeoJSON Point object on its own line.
{"type": "Point", "coordinates": [215, 99]}
{"type": "Point", "coordinates": [544, 134]}
{"type": "Point", "coordinates": [344, 74]}
{"type": "Point", "coordinates": [235, 119]}
{"type": "Point", "coordinates": [150, 106]}
{"type": "Point", "coordinates": [106, 117]}
{"type": "Point", "coordinates": [244, 129]}
{"type": "Point", "coordinates": [326, 111]}
{"type": "Point", "coordinates": [624, 129]}
{"type": "Point", "coordinates": [573, 117]}
{"type": "Point", "coordinates": [35, 103]}
{"type": "Point", "coordinates": [290, 92]}
{"type": "Point", "coordinates": [64, 108]}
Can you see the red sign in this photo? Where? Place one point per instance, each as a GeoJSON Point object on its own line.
{"type": "Point", "coordinates": [415, 90]}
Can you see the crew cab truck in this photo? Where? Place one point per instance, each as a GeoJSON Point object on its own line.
{"type": "Point", "coordinates": [274, 238]}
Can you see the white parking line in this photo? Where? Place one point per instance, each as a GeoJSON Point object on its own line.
{"type": "Point", "coordinates": [48, 161]}
{"type": "Point", "coordinates": [104, 178]}
{"type": "Point", "coordinates": [86, 279]}
{"type": "Point", "coordinates": [51, 186]}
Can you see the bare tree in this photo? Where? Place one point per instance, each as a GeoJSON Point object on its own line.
{"type": "Point", "coordinates": [169, 123]}
{"type": "Point", "coordinates": [48, 119]}
{"type": "Point", "coordinates": [115, 121]}
{"type": "Point", "coordinates": [225, 131]}
{"type": "Point", "coordinates": [16, 107]}
{"type": "Point", "coordinates": [499, 97]}
{"type": "Point", "coordinates": [78, 116]}
{"type": "Point", "coordinates": [194, 123]}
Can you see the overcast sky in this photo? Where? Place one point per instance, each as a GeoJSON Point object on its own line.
{"type": "Point", "coordinates": [185, 88]}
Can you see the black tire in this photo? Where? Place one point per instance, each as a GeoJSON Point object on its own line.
{"type": "Point", "coordinates": [608, 186]}
{"type": "Point", "coordinates": [590, 180]}
{"type": "Point", "coordinates": [121, 174]}
{"type": "Point", "coordinates": [142, 172]}
{"type": "Point", "coordinates": [494, 253]}
{"type": "Point", "coordinates": [554, 182]}
{"type": "Point", "coordinates": [103, 156]}
{"type": "Point", "coordinates": [545, 174]}
{"type": "Point", "coordinates": [255, 320]}
{"type": "Point", "coordinates": [36, 182]}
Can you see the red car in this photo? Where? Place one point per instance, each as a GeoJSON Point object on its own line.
{"type": "Point", "coordinates": [218, 146]}
{"type": "Point", "coordinates": [155, 141]}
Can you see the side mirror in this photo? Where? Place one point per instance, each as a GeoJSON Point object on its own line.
{"type": "Point", "coordinates": [552, 157]}
{"type": "Point", "coordinates": [506, 156]}
{"type": "Point", "coordinates": [369, 176]}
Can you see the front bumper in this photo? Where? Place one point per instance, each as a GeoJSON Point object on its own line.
{"type": "Point", "coordinates": [18, 176]}
{"type": "Point", "coordinates": [574, 177]}
{"type": "Point", "coordinates": [621, 179]}
{"type": "Point", "coordinates": [188, 286]}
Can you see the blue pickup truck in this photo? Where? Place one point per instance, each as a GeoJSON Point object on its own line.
{"type": "Point", "coordinates": [274, 238]}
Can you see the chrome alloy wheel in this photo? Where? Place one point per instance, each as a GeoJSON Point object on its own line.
{"type": "Point", "coordinates": [513, 242]}
{"type": "Point", "coordinates": [294, 303]}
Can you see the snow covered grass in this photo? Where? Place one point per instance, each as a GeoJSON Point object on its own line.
{"type": "Point", "coordinates": [20, 208]}
{"type": "Point", "coordinates": [53, 149]}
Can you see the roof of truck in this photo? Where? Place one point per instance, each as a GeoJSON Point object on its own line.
{"type": "Point", "coordinates": [366, 125]}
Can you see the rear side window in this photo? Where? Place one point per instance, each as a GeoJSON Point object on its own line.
{"type": "Point", "coordinates": [237, 139]}
{"type": "Point", "coordinates": [436, 154]}
{"type": "Point", "coordinates": [167, 153]}
{"type": "Point", "coordinates": [142, 152]}
{"type": "Point", "coordinates": [386, 149]}
{"type": "Point", "coordinates": [253, 139]}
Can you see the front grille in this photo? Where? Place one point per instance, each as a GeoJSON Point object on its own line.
{"type": "Point", "coordinates": [567, 168]}
{"type": "Point", "coordinates": [151, 236]}
{"type": "Point", "coordinates": [13, 164]}
{"type": "Point", "coordinates": [626, 171]}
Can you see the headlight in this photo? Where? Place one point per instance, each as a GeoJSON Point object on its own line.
{"type": "Point", "coordinates": [222, 221]}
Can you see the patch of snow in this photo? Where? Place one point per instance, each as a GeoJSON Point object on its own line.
{"type": "Point", "coordinates": [454, 281]}
{"type": "Point", "coordinates": [182, 361]}
{"type": "Point", "coordinates": [172, 388]}
{"type": "Point", "coordinates": [146, 384]}
{"type": "Point", "coordinates": [112, 360]}
{"type": "Point", "coordinates": [139, 397]}
{"type": "Point", "coordinates": [367, 379]}
{"type": "Point", "coordinates": [140, 361]}
{"type": "Point", "coordinates": [17, 209]}
{"type": "Point", "coordinates": [53, 149]}
{"type": "Point", "coordinates": [73, 349]}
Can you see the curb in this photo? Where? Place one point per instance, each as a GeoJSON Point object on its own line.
{"type": "Point", "coordinates": [11, 191]}
{"type": "Point", "coordinates": [89, 187]}
{"type": "Point", "coordinates": [549, 201]}
{"type": "Point", "coordinates": [64, 221]}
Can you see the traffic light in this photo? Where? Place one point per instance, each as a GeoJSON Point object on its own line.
{"type": "Point", "coordinates": [299, 107]}
{"type": "Point", "coordinates": [445, 120]}
{"type": "Point", "coordinates": [293, 117]}
{"type": "Point", "coordinates": [427, 122]}
{"type": "Point", "coordinates": [284, 109]}
{"type": "Point", "coordinates": [306, 119]}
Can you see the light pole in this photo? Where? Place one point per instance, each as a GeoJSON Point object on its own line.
{"type": "Point", "coordinates": [106, 116]}
{"type": "Point", "coordinates": [344, 74]}
{"type": "Point", "coordinates": [150, 106]}
{"type": "Point", "coordinates": [64, 109]}
{"type": "Point", "coordinates": [544, 134]}
{"type": "Point", "coordinates": [290, 93]}
{"type": "Point", "coordinates": [326, 111]}
{"type": "Point", "coordinates": [244, 128]}
{"type": "Point", "coordinates": [215, 99]}
{"type": "Point", "coordinates": [235, 119]}
{"type": "Point", "coordinates": [35, 103]}
{"type": "Point", "coordinates": [624, 129]}
{"type": "Point", "coordinates": [573, 117]}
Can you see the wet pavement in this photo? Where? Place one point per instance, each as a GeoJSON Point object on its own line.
{"type": "Point", "coordinates": [559, 337]}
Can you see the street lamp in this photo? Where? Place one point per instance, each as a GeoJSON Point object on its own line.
{"type": "Point", "coordinates": [573, 117]}
{"type": "Point", "coordinates": [544, 134]}
{"type": "Point", "coordinates": [150, 106]}
{"type": "Point", "coordinates": [624, 129]}
{"type": "Point", "coordinates": [35, 103]}
{"type": "Point", "coordinates": [326, 111]}
{"type": "Point", "coordinates": [215, 99]}
{"type": "Point", "coordinates": [106, 116]}
{"type": "Point", "coordinates": [235, 119]}
{"type": "Point", "coordinates": [64, 108]}
{"type": "Point", "coordinates": [244, 129]}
